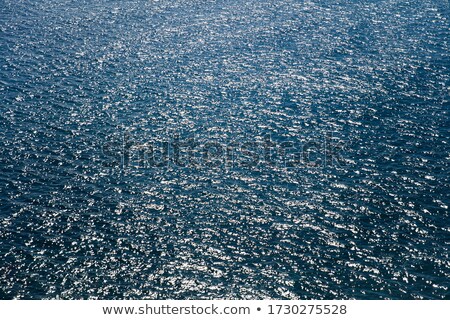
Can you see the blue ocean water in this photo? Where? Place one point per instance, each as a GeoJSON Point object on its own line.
{"type": "Point", "coordinates": [85, 85]}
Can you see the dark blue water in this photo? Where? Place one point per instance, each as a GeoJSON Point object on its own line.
{"type": "Point", "coordinates": [85, 86]}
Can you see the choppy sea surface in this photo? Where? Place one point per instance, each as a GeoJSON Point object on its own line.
{"type": "Point", "coordinates": [85, 84]}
